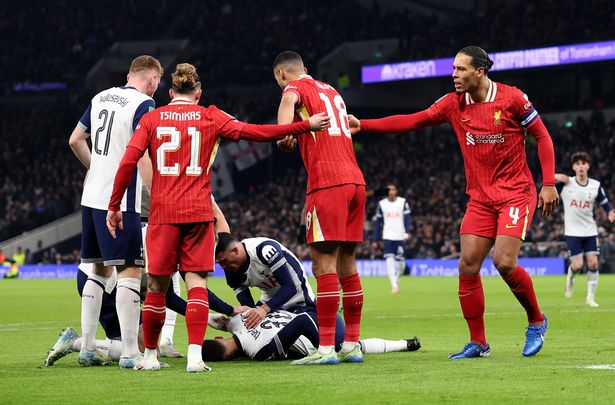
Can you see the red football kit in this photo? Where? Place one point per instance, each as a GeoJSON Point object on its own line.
{"type": "Point", "coordinates": [182, 139]}
{"type": "Point", "coordinates": [335, 201]}
{"type": "Point", "coordinates": [491, 135]}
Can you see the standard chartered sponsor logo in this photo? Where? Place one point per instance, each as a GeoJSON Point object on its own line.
{"type": "Point", "coordinates": [474, 139]}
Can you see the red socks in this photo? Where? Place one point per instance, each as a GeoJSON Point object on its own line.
{"type": "Point", "coordinates": [152, 316]}
{"type": "Point", "coordinates": [472, 300]}
{"type": "Point", "coordinates": [353, 305]}
{"type": "Point", "coordinates": [197, 312]}
{"type": "Point", "coordinates": [327, 302]}
{"type": "Point", "coordinates": [521, 285]}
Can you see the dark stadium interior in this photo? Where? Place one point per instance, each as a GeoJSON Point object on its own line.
{"type": "Point", "coordinates": [42, 180]}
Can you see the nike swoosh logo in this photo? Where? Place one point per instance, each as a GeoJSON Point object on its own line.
{"type": "Point", "coordinates": [511, 226]}
{"type": "Point", "coordinates": [136, 301]}
{"type": "Point", "coordinates": [464, 295]}
{"type": "Point", "coordinates": [464, 120]}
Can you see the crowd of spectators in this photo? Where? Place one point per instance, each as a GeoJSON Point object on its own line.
{"type": "Point", "coordinates": [234, 43]}
{"type": "Point", "coordinates": [39, 181]}
{"type": "Point", "coordinates": [251, 33]}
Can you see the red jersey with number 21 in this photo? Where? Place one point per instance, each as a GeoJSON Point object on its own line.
{"type": "Point", "coordinates": [328, 155]}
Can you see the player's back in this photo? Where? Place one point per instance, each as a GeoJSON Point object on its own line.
{"type": "Point", "coordinates": [266, 256]}
{"type": "Point", "coordinates": [328, 155]}
{"type": "Point", "coordinates": [111, 121]}
{"type": "Point", "coordinates": [183, 145]}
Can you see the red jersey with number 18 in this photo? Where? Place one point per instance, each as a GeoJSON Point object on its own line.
{"type": "Point", "coordinates": [328, 155]}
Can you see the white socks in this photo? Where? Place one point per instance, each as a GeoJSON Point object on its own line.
{"type": "Point", "coordinates": [392, 271]}
{"type": "Point", "coordinates": [108, 348]}
{"type": "Point", "coordinates": [375, 345]}
{"type": "Point", "coordinates": [325, 349]}
{"type": "Point", "coordinates": [128, 307]}
{"type": "Point", "coordinates": [91, 301]}
{"type": "Point", "coordinates": [195, 354]}
{"type": "Point", "coordinates": [166, 334]}
{"type": "Point", "coordinates": [592, 283]}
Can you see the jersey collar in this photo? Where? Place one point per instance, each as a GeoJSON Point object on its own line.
{"type": "Point", "coordinates": [305, 76]}
{"type": "Point", "coordinates": [491, 93]}
{"type": "Point", "coordinates": [179, 101]}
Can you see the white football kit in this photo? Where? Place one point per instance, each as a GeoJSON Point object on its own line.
{"type": "Point", "coordinates": [111, 118]}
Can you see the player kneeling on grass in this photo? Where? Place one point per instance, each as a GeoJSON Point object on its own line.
{"type": "Point", "coordinates": [281, 335]}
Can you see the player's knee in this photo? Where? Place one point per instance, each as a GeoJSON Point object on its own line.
{"type": "Point", "coordinates": [468, 266]}
{"type": "Point", "coordinates": [505, 264]}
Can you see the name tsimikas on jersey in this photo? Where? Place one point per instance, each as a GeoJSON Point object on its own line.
{"type": "Point", "coordinates": [472, 139]}
{"type": "Point", "coordinates": [114, 99]}
{"type": "Point", "coordinates": [184, 116]}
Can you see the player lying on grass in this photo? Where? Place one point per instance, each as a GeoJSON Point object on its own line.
{"type": "Point", "coordinates": [281, 335]}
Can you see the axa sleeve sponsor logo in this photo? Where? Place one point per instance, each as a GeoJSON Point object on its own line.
{"type": "Point", "coordinates": [473, 139]}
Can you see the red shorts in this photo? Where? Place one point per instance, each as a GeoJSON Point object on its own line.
{"type": "Point", "coordinates": [190, 245]}
{"type": "Point", "coordinates": [511, 218]}
{"type": "Point", "coordinates": [335, 214]}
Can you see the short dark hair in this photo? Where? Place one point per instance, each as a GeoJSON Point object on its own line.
{"type": "Point", "coordinates": [225, 239]}
{"type": "Point", "coordinates": [579, 156]}
{"type": "Point", "coordinates": [479, 58]}
{"type": "Point", "coordinates": [287, 57]}
{"type": "Point", "coordinates": [213, 350]}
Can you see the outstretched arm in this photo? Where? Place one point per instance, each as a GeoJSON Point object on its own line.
{"type": "Point", "coordinates": [561, 178]}
{"type": "Point", "coordinates": [548, 198]}
{"type": "Point", "coordinates": [236, 130]}
{"type": "Point", "coordinates": [393, 124]}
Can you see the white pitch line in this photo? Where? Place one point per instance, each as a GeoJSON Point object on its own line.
{"type": "Point", "coordinates": [27, 329]}
{"type": "Point", "coordinates": [598, 367]}
{"type": "Point", "coordinates": [450, 315]}
{"type": "Point", "coordinates": [37, 323]}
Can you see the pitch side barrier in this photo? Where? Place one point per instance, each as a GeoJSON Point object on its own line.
{"type": "Point", "coordinates": [542, 266]}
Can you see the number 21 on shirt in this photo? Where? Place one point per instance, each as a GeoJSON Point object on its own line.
{"type": "Point", "coordinates": [336, 109]}
{"type": "Point", "coordinates": [193, 169]}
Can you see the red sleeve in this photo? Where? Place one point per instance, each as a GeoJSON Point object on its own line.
{"type": "Point", "coordinates": [398, 123]}
{"type": "Point", "coordinates": [292, 88]}
{"type": "Point", "coordinates": [231, 129]}
{"type": "Point", "coordinates": [545, 151]}
{"type": "Point", "coordinates": [124, 175]}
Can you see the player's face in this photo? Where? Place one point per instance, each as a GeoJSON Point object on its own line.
{"type": "Point", "coordinates": [392, 192]}
{"type": "Point", "coordinates": [230, 259]}
{"type": "Point", "coordinates": [153, 82]}
{"type": "Point", "coordinates": [580, 168]}
{"type": "Point", "coordinates": [465, 76]}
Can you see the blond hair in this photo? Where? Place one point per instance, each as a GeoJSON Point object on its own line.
{"type": "Point", "coordinates": [185, 78]}
{"type": "Point", "coordinates": [145, 62]}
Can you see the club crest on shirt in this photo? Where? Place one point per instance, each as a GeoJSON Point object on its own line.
{"type": "Point", "coordinates": [496, 117]}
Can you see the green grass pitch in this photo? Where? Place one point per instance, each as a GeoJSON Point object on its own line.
{"type": "Point", "coordinates": [32, 313]}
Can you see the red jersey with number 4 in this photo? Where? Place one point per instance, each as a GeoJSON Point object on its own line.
{"type": "Point", "coordinates": [491, 135]}
{"type": "Point", "coordinates": [328, 155]}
